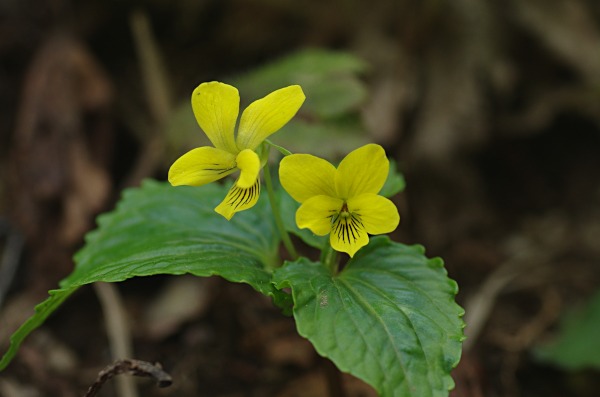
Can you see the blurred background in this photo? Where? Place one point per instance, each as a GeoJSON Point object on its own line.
{"type": "Point", "coordinates": [490, 109]}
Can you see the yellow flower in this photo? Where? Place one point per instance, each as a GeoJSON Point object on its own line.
{"type": "Point", "coordinates": [216, 107]}
{"type": "Point", "coordinates": [341, 202]}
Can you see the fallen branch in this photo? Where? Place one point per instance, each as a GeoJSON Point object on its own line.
{"type": "Point", "coordinates": [131, 367]}
{"type": "Point", "coordinates": [117, 330]}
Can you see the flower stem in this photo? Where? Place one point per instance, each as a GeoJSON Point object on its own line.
{"type": "Point", "coordinates": [285, 237]}
{"type": "Point", "coordinates": [330, 258]}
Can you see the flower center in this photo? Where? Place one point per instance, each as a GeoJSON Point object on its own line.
{"type": "Point", "coordinates": [346, 225]}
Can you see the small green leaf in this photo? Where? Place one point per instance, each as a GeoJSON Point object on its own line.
{"type": "Point", "coordinates": [577, 344]}
{"type": "Point", "coordinates": [388, 318]}
{"type": "Point", "coordinates": [160, 229]}
{"type": "Point", "coordinates": [328, 124]}
{"type": "Point", "coordinates": [394, 183]}
{"type": "Point", "coordinates": [333, 97]}
{"type": "Point", "coordinates": [331, 139]}
{"type": "Point", "coordinates": [329, 80]}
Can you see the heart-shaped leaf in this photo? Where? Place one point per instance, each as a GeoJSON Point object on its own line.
{"type": "Point", "coordinates": [388, 318]}
{"type": "Point", "coordinates": [159, 229]}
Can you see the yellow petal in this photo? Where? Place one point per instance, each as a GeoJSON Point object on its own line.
{"type": "Point", "coordinates": [348, 234]}
{"type": "Point", "coordinates": [378, 214]}
{"type": "Point", "coordinates": [216, 107]}
{"type": "Point", "coordinates": [364, 170]}
{"type": "Point", "coordinates": [304, 176]}
{"type": "Point", "coordinates": [239, 199]}
{"type": "Point", "coordinates": [200, 166]}
{"type": "Point", "coordinates": [267, 115]}
{"type": "Point", "coordinates": [249, 164]}
{"type": "Point", "coordinates": [316, 214]}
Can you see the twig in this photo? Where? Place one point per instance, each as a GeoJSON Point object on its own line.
{"type": "Point", "coordinates": [117, 331]}
{"type": "Point", "coordinates": [131, 367]}
{"type": "Point", "coordinates": [529, 258]}
{"type": "Point", "coordinates": [479, 306]}
{"type": "Point", "coordinates": [156, 86]}
{"type": "Point", "coordinates": [152, 68]}
{"type": "Point", "coordinates": [527, 335]}
{"type": "Point", "coordinates": [10, 261]}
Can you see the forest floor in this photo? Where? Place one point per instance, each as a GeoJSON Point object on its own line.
{"type": "Point", "coordinates": [494, 122]}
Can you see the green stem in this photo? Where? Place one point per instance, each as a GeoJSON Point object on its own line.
{"type": "Point", "coordinates": [285, 237]}
{"type": "Point", "coordinates": [330, 258]}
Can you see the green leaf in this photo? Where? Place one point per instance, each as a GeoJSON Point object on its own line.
{"type": "Point", "coordinates": [394, 183]}
{"type": "Point", "coordinates": [328, 124]}
{"type": "Point", "coordinates": [330, 98]}
{"type": "Point", "coordinates": [329, 79]}
{"type": "Point", "coordinates": [42, 311]}
{"type": "Point", "coordinates": [160, 229]}
{"type": "Point", "coordinates": [388, 318]}
{"type": "Point", "coordinates": [330, 139]}
{"type": "Point", "coordinates": [300, 67]}
{"type": "Point", "coordinates": [577, 344]}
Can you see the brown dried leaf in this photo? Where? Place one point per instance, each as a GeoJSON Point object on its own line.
{"type": "Point", "coordinates": [61, 144]}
